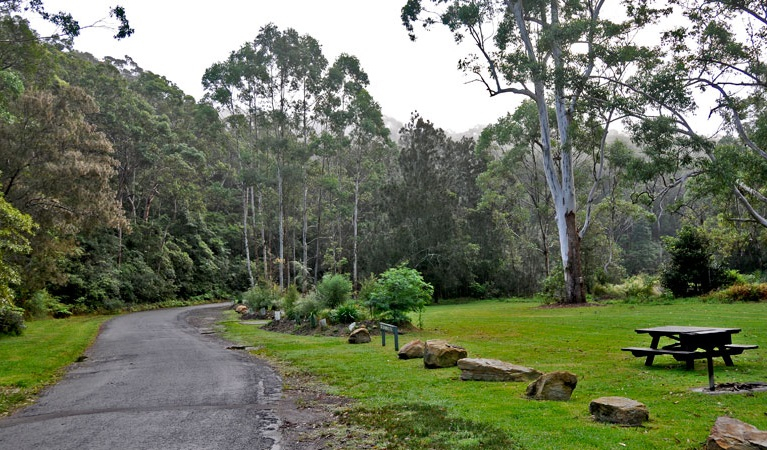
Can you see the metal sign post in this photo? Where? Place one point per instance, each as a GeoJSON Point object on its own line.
{"type": "Point", "coordinates": [391, 329]}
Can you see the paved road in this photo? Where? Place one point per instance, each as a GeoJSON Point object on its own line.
{"type": "Point", "coordinates": [152, 381]}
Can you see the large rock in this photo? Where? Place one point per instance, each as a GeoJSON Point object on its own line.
{"type": "Point", "coordinates": [412, 350]}
{"type": "Point", "coordinates": [439, 353]}
{"type": "Point", "coordinates": [359, 336]}
{"type": "Point", "coordinates": [481, 369]}
{"type": "Point", "coordinates": [732, 434]}
{"type": "Point", "coordinates": [619, 410]}
{"type": "Point", "coordinates": [553, 386]}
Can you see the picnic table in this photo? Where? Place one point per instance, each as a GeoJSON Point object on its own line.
{"type": "Point", "coordinates": [691, 343]}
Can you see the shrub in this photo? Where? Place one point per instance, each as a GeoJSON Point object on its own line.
{"type": "Point", "coordinates": [334, 290]}
{"type": "Point", "coordinates": [307, 307]}
{"type": "Point", "coordinates": [43, 304]}
{"type": "Point", "coordinates": [259, 297]}
{"type": "Point", "coordinates": [11, 320]}
{"type": "Point", "coordinates": [290, 299]}
{"type": "Point", "coordinates": [639, 286]}
{"type": "Point", "coordinates": [398, 291]}
{"type": "Point", "coordinates": [553, 287]}
{"type": "Point", "coordinates": [692, 269]}
{"type": "Point", "coordinates": [744, 293]}
{"type": "Point", "coordinates": [346, 313]}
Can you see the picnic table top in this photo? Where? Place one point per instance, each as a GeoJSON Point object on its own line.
{"type": "Point", "coordinates": [671, 330]}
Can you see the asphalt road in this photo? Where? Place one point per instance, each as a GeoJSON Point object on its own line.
{"type": "Point", "coordinates": [152, 381]}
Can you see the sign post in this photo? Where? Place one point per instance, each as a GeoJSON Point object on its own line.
{"type": "Point", "coordinates": [391, 329]}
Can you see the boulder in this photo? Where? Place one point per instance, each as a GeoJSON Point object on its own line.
{"type": "Point", "coordinates": [359, 336]}
{"type": "Point", "coordinates": [439, 353]}
{"type": "Point", "coordinates": [481, 369]}
{"type": "Point", "coordinates": [241, 309]}
{"type": "Point", "coordinates": [620, 410]}
{"type": "Point", "coordinates": [732, 434]}
{"type": "Point", "coordinates": [412, 350]}
{"type": "Point", "coordinates": [553, 386]}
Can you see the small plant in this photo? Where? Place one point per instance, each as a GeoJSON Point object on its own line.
{"type": "Point", "coordinates": [290, 299]}
{"type": "Point", "coordinates": [639, 287]}
{"type": "Point", "coordinates": [553, 288]}
{"type": "Point", "coordinates": [346, 313]}
{"type": "Point", "coordinates": [259, 297]}
{"type": "Point", "coordinates": [11, 320]}
{"type": "Point", "coordinates": [307, 308]}
{"type": "Point", "coordinates": [398, 291]}
{"type": "Point", "coordinates": [334, 290]}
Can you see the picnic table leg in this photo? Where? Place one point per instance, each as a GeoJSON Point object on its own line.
{"type": "Point", "coordinates": [725, 356]}
{"type": "Point", "coordinates": [710, 365]}
{"type": "Point", "coordinates": [654, 344]}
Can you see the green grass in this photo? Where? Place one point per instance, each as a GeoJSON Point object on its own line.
{"type": "Point", "coordinates": [400, 396]}
{"type": "Point", "coordinates": [37, 358]}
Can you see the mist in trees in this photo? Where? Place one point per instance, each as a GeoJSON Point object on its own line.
{"type": "Point", "coordinates": [119, 189]}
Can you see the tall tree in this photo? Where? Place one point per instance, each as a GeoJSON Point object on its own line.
{"type": "Point", "coordinates": [717, 48]}
{"type": "Point", "coordinates": [57, 168]}
{"type": "Point", "coordinates": [551, 53]}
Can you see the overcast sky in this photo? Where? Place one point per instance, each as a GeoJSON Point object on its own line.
{"type": "Point", "coordinates": [180, 39]}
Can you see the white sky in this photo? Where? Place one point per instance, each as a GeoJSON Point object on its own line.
{"type": "Point", "coordinates": [180, 39]}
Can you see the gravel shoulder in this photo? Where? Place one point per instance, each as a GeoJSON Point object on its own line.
{"type": "Point", "coordinates": [307, 412]}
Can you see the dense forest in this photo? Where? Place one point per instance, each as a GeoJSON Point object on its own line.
{"type": "Point", "coordinates": [120, 189]}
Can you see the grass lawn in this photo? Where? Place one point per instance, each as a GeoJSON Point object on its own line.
{"type": "Point", "coordinates": [37, 358]}
{"type": "Point", "coordinates": [420, 408]}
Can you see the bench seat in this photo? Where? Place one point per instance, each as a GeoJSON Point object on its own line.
{"type": "Point", "coordinates": [646, 351]}
{"type": "Point", "coordinates": [737, 349]}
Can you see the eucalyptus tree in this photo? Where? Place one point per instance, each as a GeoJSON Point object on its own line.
{"type": "Point", "coordinates": [552, 53]}
{"type": "Point", "coordinates": [716, 49]}
{"type": "Point", "coordinates": [353, 121]}
{"type": "Point", "coordinates": [67, 25]}
{"type": "Point", "coordinates": [515, 178]}
{"type": "Point", "coordinates": [271, 83]}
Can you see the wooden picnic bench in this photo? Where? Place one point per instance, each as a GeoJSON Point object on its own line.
{"type": "Point", "coordinates": [692, 343]}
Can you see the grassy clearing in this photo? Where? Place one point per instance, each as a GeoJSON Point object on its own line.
{"type": "Point", "coordinates": [37, 358]}
{"type": "Point", "coordinates": [420, 408]}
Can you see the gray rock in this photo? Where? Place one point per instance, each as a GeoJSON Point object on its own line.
{"type": "Point", "coordinates": [620, 410]}
{"type": "Point", "coordinates": [412, 350]}
{"type": "Point", "coordinates": [732, 434]}
{"type": "Point", "coordinates": [553, 386]}
{"type": "Point", "coordinates": [482, 369]}
{"type": "Point", "coordinates": [439, 353]}
{"type": "Point", "coordinates": [359, 336]}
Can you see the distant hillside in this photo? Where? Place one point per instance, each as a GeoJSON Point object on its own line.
{"type": "Point", "coordinates": [394, 125]}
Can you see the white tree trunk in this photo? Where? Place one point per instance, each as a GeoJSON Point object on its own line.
{"type": "Point", "coordinates": [245, 191]}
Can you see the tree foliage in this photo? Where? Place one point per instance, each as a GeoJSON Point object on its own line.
{"type": "Point", "coordinates": [692, 269]}
{"type": "Point", "coordinates": [397, 292]}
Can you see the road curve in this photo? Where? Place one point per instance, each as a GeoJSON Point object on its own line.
{"type": "Point", "coordinates": [152, 381]}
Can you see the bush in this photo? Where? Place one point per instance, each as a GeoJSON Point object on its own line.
{"type": "Point", "coordinates": [334, 290]}
{"type": "Point", "coordinates": [307, 307]}
{"type": "Point", "coordinates": [42, 304]}
{"type": "Point", "coordinates": [11, 320]}
{"type": "Point", "coordinates": [553, 287]}
{"type": "Point", "coordinates": [290, 299]}
{"type": "Point", "coordinates": [259, 297]}
{"type": "Point", "coordinates": [692, 270]}
{"type": "Point", "coordinates": [346, 313]}
{"type": "Point", "coordinates": [398, 291]}
{"type": "Point", "coordinates": [639, 286]}
{"type": "Point", "coordinates": [744, 293]}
